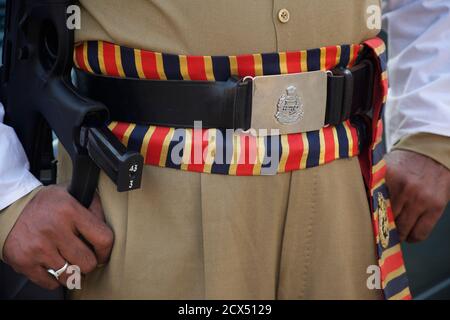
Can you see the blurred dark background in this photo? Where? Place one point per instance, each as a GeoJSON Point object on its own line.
{"type": "Point", "coordinates": [427, 263]}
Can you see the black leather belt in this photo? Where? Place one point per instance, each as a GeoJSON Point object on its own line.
{"type": "Point", "coordinates": [220, 104]}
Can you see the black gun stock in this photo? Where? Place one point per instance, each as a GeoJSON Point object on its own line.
{"type": "Point", "coordinates": [39, 97]}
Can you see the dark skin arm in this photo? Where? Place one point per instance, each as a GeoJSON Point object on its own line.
{"type": "Point", "coordinates": [54, 228]}
{"type": "Point", "coordinates": [420, 191]}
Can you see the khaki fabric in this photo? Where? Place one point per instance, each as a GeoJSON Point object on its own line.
{"type": "Point", "coordinates": [225, 27]}
{"type": "Point", "coordinates": [433, 146]}
{"type": "Point", "coordinates": [184, 235]}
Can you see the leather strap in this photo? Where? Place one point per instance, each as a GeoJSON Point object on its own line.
{"type": "Point", "coordinates": [219, 104]}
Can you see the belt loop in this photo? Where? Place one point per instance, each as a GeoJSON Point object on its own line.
{"type": "Point", "coordinates": [370, 80]}
{"type": "Point", "coordinates": [340, 95]}
{"type": "Point", "coordinates": [243, 104]}
{"type": "Point", "coordinates": [335, 87]}
{"type": "Point", "coordinates": [347, 98]}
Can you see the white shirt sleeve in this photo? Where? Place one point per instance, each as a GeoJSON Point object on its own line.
{"type": "Point", "coordinates": [419, 68]}
{"type": "Point", "coordinates": [15, 178]}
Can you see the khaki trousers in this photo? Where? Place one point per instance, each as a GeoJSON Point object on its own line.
{"type": "Point", "coordinates": [183, 235]}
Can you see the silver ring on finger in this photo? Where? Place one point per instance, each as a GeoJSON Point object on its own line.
{"type": "Point", "coordinates": [57, 273]}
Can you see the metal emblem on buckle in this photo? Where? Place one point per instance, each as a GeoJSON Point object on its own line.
{"type": "Point", "coordinates": [289, 107]}
{"type": "Point", "coordinates": [300, 108]}
{"type": "Point", "coordinates": [383, 221]}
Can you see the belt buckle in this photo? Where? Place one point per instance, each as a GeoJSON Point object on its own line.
{"type": "Point", "coordinates": [291, 103]}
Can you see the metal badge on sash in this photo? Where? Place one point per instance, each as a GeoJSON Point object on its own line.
{"type": "Point", "coordinates": [383, 221]}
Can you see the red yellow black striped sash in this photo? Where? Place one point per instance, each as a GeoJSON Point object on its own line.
{"type": "Point", "coordinates": [208, 150]}
{"type": "Point", "coordinates": [294, 152]}
{"type": "Point", "coordinates": [390, 259]}
{"type": "Point", "coordinates": [112, 60]}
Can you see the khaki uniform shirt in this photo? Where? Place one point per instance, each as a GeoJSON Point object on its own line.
{"type": "Point", "coordinates": [243, 27]}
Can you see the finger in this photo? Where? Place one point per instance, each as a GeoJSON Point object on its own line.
{"type": "Point", "coordinates": [421, 229]}
{"type": "Point", "coordinates": [44, 255]}
{"type": "Point", "coordinates": [43, 279]}
{"type": "Point", "coordinates": [398, 198]}
{"type": "Point", "coordinates": [96, 208]}
{"type": "Point", "coordinates": [56, 262]}
{"type": "Point", "coordinates": [425, 225]}
{"type": "Point", "coordinates": [96, 232]}
{"type": "Point", "coordinates": [406, 220]}
{"type": "Point", "coordinates": [398, 202]}
{"type": "Point", "coordinates": [78, 253]}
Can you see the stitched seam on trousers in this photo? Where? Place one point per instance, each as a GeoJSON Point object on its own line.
{"type": "Point", "coordinates": [283, 231]}
{"type": "Point", "coordinates": [308, 242]}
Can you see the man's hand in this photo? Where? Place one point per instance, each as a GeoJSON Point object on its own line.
{"type": "Point", "coordinates": [420, 191]}
{"type": "Point", "coordinates": [52, 229]}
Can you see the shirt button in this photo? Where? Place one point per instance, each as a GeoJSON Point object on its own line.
{"type": "Point", "coordinates": [283, 15]}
